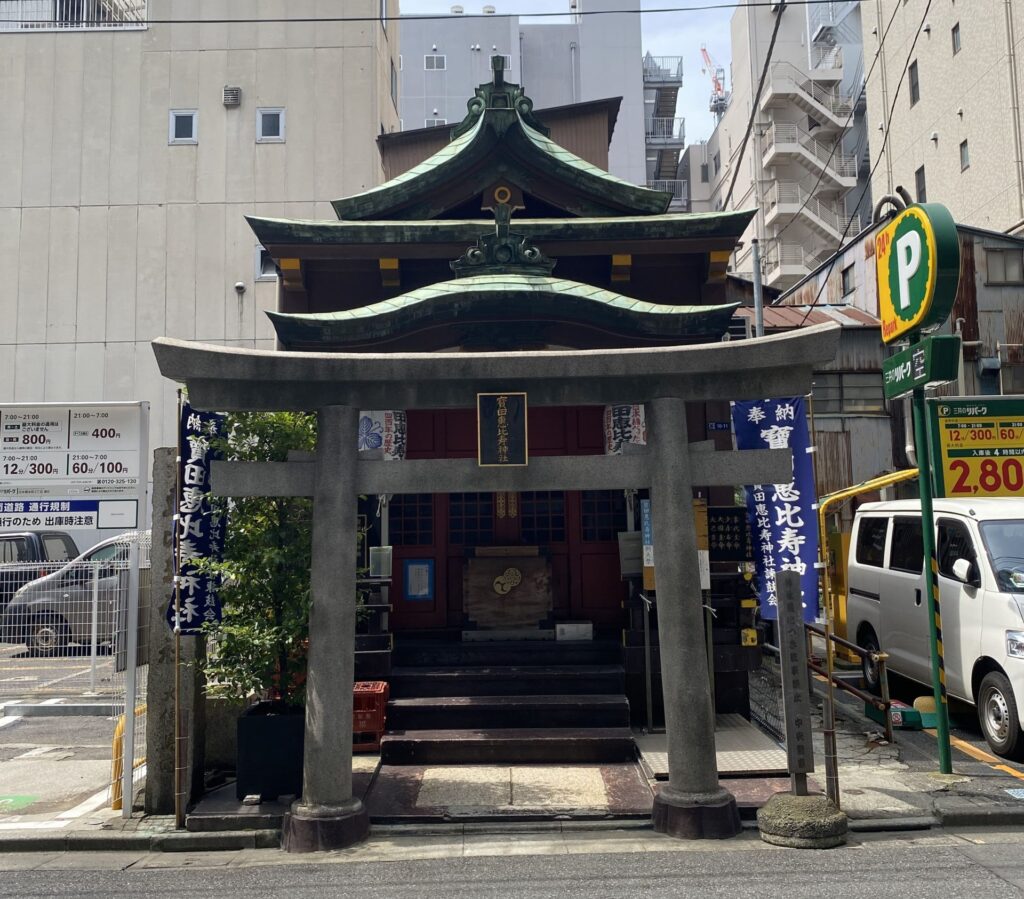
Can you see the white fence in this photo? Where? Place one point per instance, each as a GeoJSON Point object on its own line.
{"type": "Point", "coordinates": [61, 15]}
{"type": "Point", "coordinates": [76, 633]}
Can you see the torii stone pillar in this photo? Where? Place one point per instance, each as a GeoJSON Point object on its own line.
{"type": "Point", "coordinates": [693, 805]}
{"type": "Point", "coordinates": [328, 815]}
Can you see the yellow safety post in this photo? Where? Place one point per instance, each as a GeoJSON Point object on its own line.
{"type": "Point", "coordinates": [117, 754]}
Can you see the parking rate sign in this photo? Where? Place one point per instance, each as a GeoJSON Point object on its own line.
{"type": "Point", "coordinates": [78, 465]}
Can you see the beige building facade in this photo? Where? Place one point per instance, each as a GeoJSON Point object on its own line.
{"type": "Point", "coordinates": [957, 130]}
{"type": "Point", "coordinates": [128, 163]}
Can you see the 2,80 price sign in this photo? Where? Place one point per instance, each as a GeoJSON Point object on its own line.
{"type": "Point", "coordinates": [978, 446]}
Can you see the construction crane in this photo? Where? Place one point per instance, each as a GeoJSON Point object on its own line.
{"type": "Point", "coordinates": [719, 95]}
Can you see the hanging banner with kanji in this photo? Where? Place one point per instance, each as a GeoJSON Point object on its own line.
{"type": "Point", "coordinates": [199, 532]}
{"type": "Point", "coordinates": [622, 425]}
{"type": "Point", "coordinates": [782, 517]}
{"type": "Point", "coordinates": [383, 432]}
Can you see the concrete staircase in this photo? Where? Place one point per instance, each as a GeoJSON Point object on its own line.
{"type": "Point", "coordinates": [507, 702]}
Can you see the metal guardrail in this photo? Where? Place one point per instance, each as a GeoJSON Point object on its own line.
{"type": "Point", "coordinates": [665, 129]}
{"type": "Point", "coordinates": [663, 68]}
{"type": "Point", "coordinates": [838, 163]}
{"type": "Point", "coordinates": [679, 189]}
{"type": "Point", "coordinates": [826, 56]}
{"type": "Point", "coordinates": [784, 193]}
{"type": "Point", "coordinates": [788, 254]}
{"type": "Point", "coordinates": [64, 15]}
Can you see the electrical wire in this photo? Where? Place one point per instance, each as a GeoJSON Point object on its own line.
{"type": "Point", "coordinates": [874, 168]}
{"type": "Point", "coordinates": [729, 4]}
{"type": "Point", "coordinates": [756, 102]}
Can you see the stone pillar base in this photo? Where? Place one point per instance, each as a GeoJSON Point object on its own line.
{"type": "Point", "coordinates": [322, 828]}
{"type": "Point", "coordinates": [695, 816]}
{"type": "Point", "coordinates": [801, 822]}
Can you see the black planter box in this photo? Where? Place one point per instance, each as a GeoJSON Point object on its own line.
{"type": "Point", "coordinates": [270, 745]}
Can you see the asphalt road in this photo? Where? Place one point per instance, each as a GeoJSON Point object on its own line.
{"type": "Point", "coordinates": [879, 868]}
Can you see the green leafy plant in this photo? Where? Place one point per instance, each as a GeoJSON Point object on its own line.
{"type": "Point", "coordinates": [259, 647]}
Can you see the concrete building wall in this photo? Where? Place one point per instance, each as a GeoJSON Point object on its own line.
{"type": "Point", "coordinates": [109, 236]}
{"type": "Point", "coordinates": [971, 95]}
{"type": "Point", "coordinates": [590, 58]}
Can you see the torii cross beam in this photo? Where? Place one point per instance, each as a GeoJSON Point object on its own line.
{"type": "Point", "coordinates": [693, 804]}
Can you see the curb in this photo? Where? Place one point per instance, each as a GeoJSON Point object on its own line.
{"type": "Point", "coordinates": [880, 825]}
{"type": "Point", "coordinates": [129, 842]}
{"type": "Point", "coordinates": [981, 817]}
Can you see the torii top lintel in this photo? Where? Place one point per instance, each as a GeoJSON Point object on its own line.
{"type": "Point", "coordinates": [501, 140]}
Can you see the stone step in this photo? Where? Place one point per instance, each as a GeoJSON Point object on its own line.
{"type": "Point", "coordinates": [481, 712]}
{"type": "Point", "coordinates": [507, 680]}
{"type": "Point", "coordinates": [508, 746]}
{"type": "Point", "coordinates": [426, 653]}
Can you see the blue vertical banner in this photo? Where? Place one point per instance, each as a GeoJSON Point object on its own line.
{"type": "Point", "coordinates": [783, 517]}
{"type": "Point", "coordinates": [199, 532]}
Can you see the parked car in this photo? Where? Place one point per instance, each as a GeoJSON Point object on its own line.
{"type": "Point", "coordinates": [49, 613]}
{"type": "Point", "coordinates": [980, 554]}
{"type": "Point", "coordinates": [21, 553]}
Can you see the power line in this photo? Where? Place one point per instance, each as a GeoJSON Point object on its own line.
{"type": "Point", "coordinates": [729, 4]}
{"type": "Point", "coordinates": [871, 174]}
{"type": "Point", "coordinates": [754, 104]}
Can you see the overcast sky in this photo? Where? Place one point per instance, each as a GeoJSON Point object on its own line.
{"type": "Point", "coordinates": [664, 34]}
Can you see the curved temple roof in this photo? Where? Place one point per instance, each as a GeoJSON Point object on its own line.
{"type": "Point", "coordinates": [500, 298]}
{"type": "Point", "coordinates": [501, 140]}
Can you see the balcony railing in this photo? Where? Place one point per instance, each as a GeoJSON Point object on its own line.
{"type": "Point", "coordinates": [837, 162]}
{"type": "Point", "coordinates": [789, 194]}
{"type": "Point", "coordinates": [79, 15]}
{"type": "Point", "coordinates": [789, 254]}
{"type": "Point", "coordinates": [663, 68]}
{"type": "Point", "coordinates": [666, 129]}
{"type": "Point", "coordinates": [680, 190]}
{"type": "Point", "coordinates": [787, 77]}
{"type": "Point", "coordinates": [826, 56]}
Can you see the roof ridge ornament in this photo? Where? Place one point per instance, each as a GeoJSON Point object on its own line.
{"type": "Point", "coordinates": [499, 94]}
{"type": "Point", "coordinates": [505, 251]}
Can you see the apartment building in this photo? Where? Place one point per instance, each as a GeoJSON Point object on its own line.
{"type": "Point", "coordinates": [804, 167]}
{"type": "Point", "coordinates": [138, 135]}
{"type": "Point", "coordinates": [947, 92]}
{"type": "Point", "coordinates": [594, 54]}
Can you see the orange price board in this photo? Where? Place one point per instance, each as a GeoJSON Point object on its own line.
{"type": "Point", "coordinates": [978, 445]}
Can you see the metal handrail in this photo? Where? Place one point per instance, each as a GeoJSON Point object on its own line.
{"type": "Point", "coordinates": [794, 194]}
{"type": "Point", "coordinates": [783, 133]}
{"type": "Point", "coordinates": [666, 128]}
{"type": "Point", "coordinates": [81, 15]}
{"type": "Point", "coordinates": [827, 97]}
{"type": "Point", "coordinates": [678, 188]}
{"type": "Point", "coordinates": [826, 56]}
{"type": "Point", "coordinates": [663, 68]}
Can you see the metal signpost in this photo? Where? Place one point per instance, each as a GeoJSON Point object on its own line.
{"type": "Point", "coordinates": [977, 446]}
{"type": "Point", "coordinates": [917, 259]}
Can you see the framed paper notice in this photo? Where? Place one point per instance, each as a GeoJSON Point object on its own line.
{"type": "Point", "coordinates": [418, 579]}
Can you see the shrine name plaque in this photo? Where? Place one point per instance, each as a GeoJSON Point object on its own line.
{"type": "Point", "coordinates": [501, 429]}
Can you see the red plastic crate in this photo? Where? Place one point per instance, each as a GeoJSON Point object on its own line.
{"type": "Point", "coordinates": [369, 712]}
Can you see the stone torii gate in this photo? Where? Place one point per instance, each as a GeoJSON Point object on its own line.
{"type": "Point", "coordinates": [693, 804]}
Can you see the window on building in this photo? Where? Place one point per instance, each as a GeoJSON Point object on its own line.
{"type": "Point", "coordinates": [270, 125]}
{"type": "Point", "coordinates": [394, 84]}
{"type": "Point", "coordinates": [717, 161]}
{"type": "Point", "coordinates": [1005, 266]}
{"type": "Point", "coordinates": [471, 519]}
{"type": "Point", "coordinates": [603, 514]}
{"type": "Point", "coordinates": [920, 186]}
{"type": "Point", "coordinates": [907, 552]}
{"type": "Point", "coordinates": [848, 393]}
{"type": "Point", "coordinates": [915, 84]}
{"type": "Point", "coordinates": [435, 62]}
{"type": "Point", "coordinates": [183, 127]}
{"type": "Point", "coordinates": [434, 123]}
{"type": "Point", "coordinates": [965, 156]}
{"type": "Point", "coordinates": [542, 517]}
{"type": "Point", "coordinates": [411, 519]}
{"type": "Point", "coordinates": [703, 173]}
{"type": "Point", "coordinates": [849, 282]}
{"type": "Point", "coordinates": [266, 268]}
{"type": "Point", "coordinates": [956, 38]}
{"type": "Point", "coordinates": [871, 541]}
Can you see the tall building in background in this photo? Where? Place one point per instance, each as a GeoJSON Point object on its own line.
{"type": "Point", "coordinates": [956, 134]}
{"type": "Point", "coordinates": [130, 155]}
{"type": "Point", "coordinates": [586, 57]}
{"type": "Point", "coordinates": [805, 165]}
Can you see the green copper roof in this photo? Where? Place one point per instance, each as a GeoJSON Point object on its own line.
{"type": "Point", "coordinates": [671, 226]}
{"type": "Point", "coordinates": [499, 141]}
{"type": "Point", "coordinates": [497, 298]}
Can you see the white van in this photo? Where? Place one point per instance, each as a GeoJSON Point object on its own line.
{"type": "Point", "coordinates": [980, 551]}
